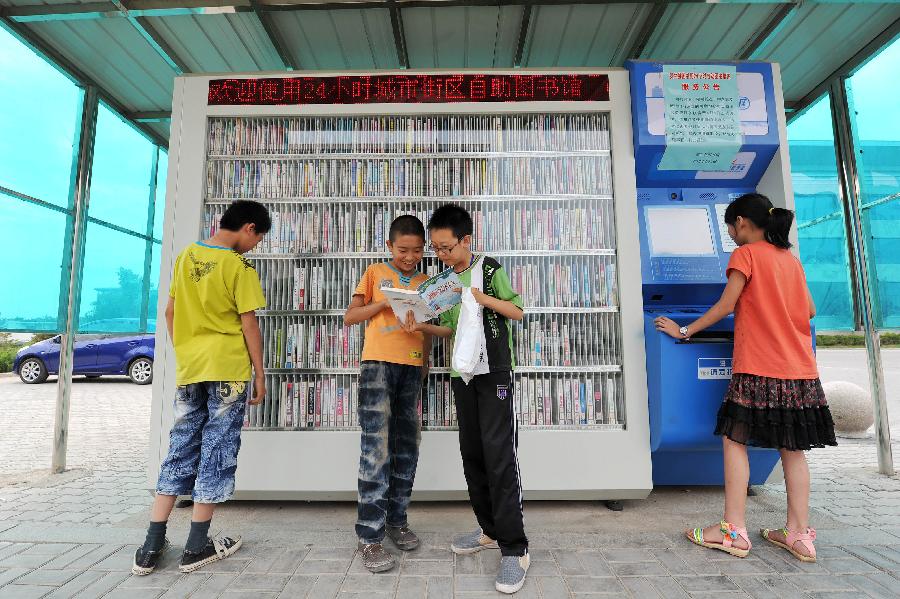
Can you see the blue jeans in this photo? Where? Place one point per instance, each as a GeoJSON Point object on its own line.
{"type": "Point", "coordinates": [204, 442]}
{"type": "Point", "coordinates": [389, 445]}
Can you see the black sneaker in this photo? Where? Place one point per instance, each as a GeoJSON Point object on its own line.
{"type": "Point", "coordinates": [375, 557]}
{"type": "Point", "coordinates": [403, 537]}
{"type": "Point", "coordinates": [146, 561]}
{"type": "Point", "coordinates": [216, 549]}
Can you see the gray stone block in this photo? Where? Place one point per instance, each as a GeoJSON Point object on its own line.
{"type": "Point", "coordinates": [326, 586]}
{"type": "Point", "coordinates": [700, 584]}
{"type": "Point", "coordinates": [438, 587]}
{"type": "Point", "coordinates": [76, 585]}
{"type": "Point", "coordinates": [25, 591]}
{"type": "Point", "coordinates": [323, 566]}
{"type": "Point", "coordinates": [554, 588]}
{"type": "Point", "coordinates": [249, 581]}
{"type": "Point", "coordinates": [107, 582]}
{"type": "Point", "coordinates": [415, 587]}
{"type": "Point", "coordinates": [589, 584]}
{"type": "Point", "coordinates": [383, 582]}
{"type": "Point", "coordinates": [639, 569]}
{"type": "Point", "coordinates": [426, 568]}
{"type": "Point", "coordinates": [48, 577]}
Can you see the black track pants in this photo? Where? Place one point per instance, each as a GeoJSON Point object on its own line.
{"type": "Point", "coordinates": [488, 440]}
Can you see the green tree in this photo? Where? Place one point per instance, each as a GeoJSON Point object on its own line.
{"type": "Point", "coordinates": [123, 301]}
{"type": "Point", "coordinates": [8, 349]}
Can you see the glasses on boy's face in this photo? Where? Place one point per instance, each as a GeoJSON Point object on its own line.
{"type": "Point", "coordinates": [444, 250]}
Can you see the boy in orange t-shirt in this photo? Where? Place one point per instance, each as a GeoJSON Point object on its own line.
{"type": "Point", "coordinates": [394, 364]}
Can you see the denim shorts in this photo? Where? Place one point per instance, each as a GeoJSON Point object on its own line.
{"type": "Point", "coordinates": [204, 442]}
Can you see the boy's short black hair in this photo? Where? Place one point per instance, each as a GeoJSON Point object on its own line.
{"type": "Point", "coordinates": [453, 217]}
{"type": "Point", "coordinates": [242, 212]}
{"type": "Point", "coordinates": [406, 224]}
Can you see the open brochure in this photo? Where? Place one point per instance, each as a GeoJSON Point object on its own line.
{"type": "Point", "coordinates": [434, 296]}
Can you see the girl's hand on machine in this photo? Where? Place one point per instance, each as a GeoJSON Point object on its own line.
{"type": "Point", "coordinates": [667, 326]}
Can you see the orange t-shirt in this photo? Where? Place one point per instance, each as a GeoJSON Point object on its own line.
{"type": "Point", "coordinates": [386, 341]}
{"type": "Point", "coordinates": [772, 336]}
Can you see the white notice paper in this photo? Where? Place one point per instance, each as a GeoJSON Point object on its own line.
{"type": "Point", "coordinates": [728, 244]}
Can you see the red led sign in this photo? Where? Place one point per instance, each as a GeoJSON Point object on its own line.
{"type": "Point", "coordinates": [408, 89]}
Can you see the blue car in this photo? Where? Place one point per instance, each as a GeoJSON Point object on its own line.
{"type": "Point", "coordinates": [95, 355]}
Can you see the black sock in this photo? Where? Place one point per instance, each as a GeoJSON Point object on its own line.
{"type": "Point", "coordinates": [196, 540]}
{"type": "Point", "coordinates": [156, 536]}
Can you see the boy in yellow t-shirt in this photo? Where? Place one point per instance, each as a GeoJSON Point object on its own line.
{"type": "Point", "coordinates": [212, 322]}
{"type": "Point", "coordinates": [394, 363]}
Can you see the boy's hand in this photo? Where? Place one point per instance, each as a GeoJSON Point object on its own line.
{"type": "Point", "coordinates": [481, 297]}
{"type": "Point", "coordinates": [410, 325]}
{"type": "Point", "coordinates": [259, 391]}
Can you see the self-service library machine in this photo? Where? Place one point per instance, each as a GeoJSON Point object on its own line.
{"type": "Point", "coordinates": [685, 248]}
{"type": "Point", "coordinates": [545, 163]}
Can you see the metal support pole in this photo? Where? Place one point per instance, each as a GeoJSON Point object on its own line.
{"type": "Point", "coordinates": [81, 197]}
{"type": "Point", "coordinates": [849, 184]}
{"type": "Point", "coordinates": [148, 249]}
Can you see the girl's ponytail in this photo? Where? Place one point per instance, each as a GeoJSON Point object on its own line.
{"type": "Point", "coordinates": [778, 227]}
{"type": "Point", "coordinates": [776, 222]}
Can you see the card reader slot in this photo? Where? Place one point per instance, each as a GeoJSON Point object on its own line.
{"type": "Point", "coordinates": [711, 337]}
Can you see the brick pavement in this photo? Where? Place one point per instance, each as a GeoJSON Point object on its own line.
{"type": "Point", "coordinates": [72, 535]}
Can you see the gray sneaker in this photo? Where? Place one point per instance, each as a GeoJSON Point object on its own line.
{"type": "Point", "coordinates": [403, 537]}
{"type": "Point", "coordinates": [375, 558]}
{"type": "Point", "coordinates": [511, 576]}
{"type": "Point", "coordinates": [472, 542]}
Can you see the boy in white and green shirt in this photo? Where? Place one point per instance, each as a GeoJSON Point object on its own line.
{"type": "Point", "coordinates": [485, 409]}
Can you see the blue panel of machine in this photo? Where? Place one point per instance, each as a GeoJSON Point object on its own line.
{"type": "Point", "coordinates": [685, 245]}
{"type": "Point", "coordinates": [758, 125]}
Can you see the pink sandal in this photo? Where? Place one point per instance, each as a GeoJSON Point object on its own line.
{"type": "Point", "coordinates": [791, 538]}
{"type": "Point", "coordinates": [729, 533]}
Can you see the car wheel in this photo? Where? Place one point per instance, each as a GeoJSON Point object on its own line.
{"type": "Point", "coordinates": [141, 371]}
{"type": "Point", "coordinates": [32, 371]}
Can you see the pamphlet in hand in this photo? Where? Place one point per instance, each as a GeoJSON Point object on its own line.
{"type": "Point", "coordinates": [434, 296]}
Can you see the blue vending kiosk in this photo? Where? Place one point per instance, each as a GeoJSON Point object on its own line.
{"type": "Point", "coordinates": [685, 248]}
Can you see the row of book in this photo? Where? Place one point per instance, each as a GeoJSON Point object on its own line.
{"type": "Point", "coordinates": [567, 400]}
{"type": "Point", "coordinates": [542, 281]}
{"type": "Point", "coordinates": [316, 283]}
{"type": "Point", "coordinates": [542, 340]}
{"type": "Point", "coordinates": [332, 402]}
{"type": "Point", "coordinates": [566, 340]}
{"type": "Point", "coordinates": [313, 342]}
{"type": "Point", "coordinates": [349, 228]}
{"type": "Point", "coordinates": [429, 134]}
{"type": "Point", "coordinates": [321, 342]}
{"type": "Point", "coordinates": [564, 281]}
{"type": "Point", "coordinates": [399, 177]}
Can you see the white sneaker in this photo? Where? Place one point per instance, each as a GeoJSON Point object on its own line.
{"type": "Point", "coordinates": [512, 572]}
{"type": "Point", "coordinates": [472, 542]}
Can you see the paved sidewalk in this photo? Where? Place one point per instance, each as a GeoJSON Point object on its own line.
{"type": "Point", "coordinates": [73, 535]}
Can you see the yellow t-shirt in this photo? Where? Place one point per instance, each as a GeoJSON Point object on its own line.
{"type": "Point", "coordinates": [212, 287]}
{"type": "Point", "coordinates": [386, 341]}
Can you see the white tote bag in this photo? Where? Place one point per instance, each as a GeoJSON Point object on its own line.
{"type": "Point", "coordinates": [469, 355]}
